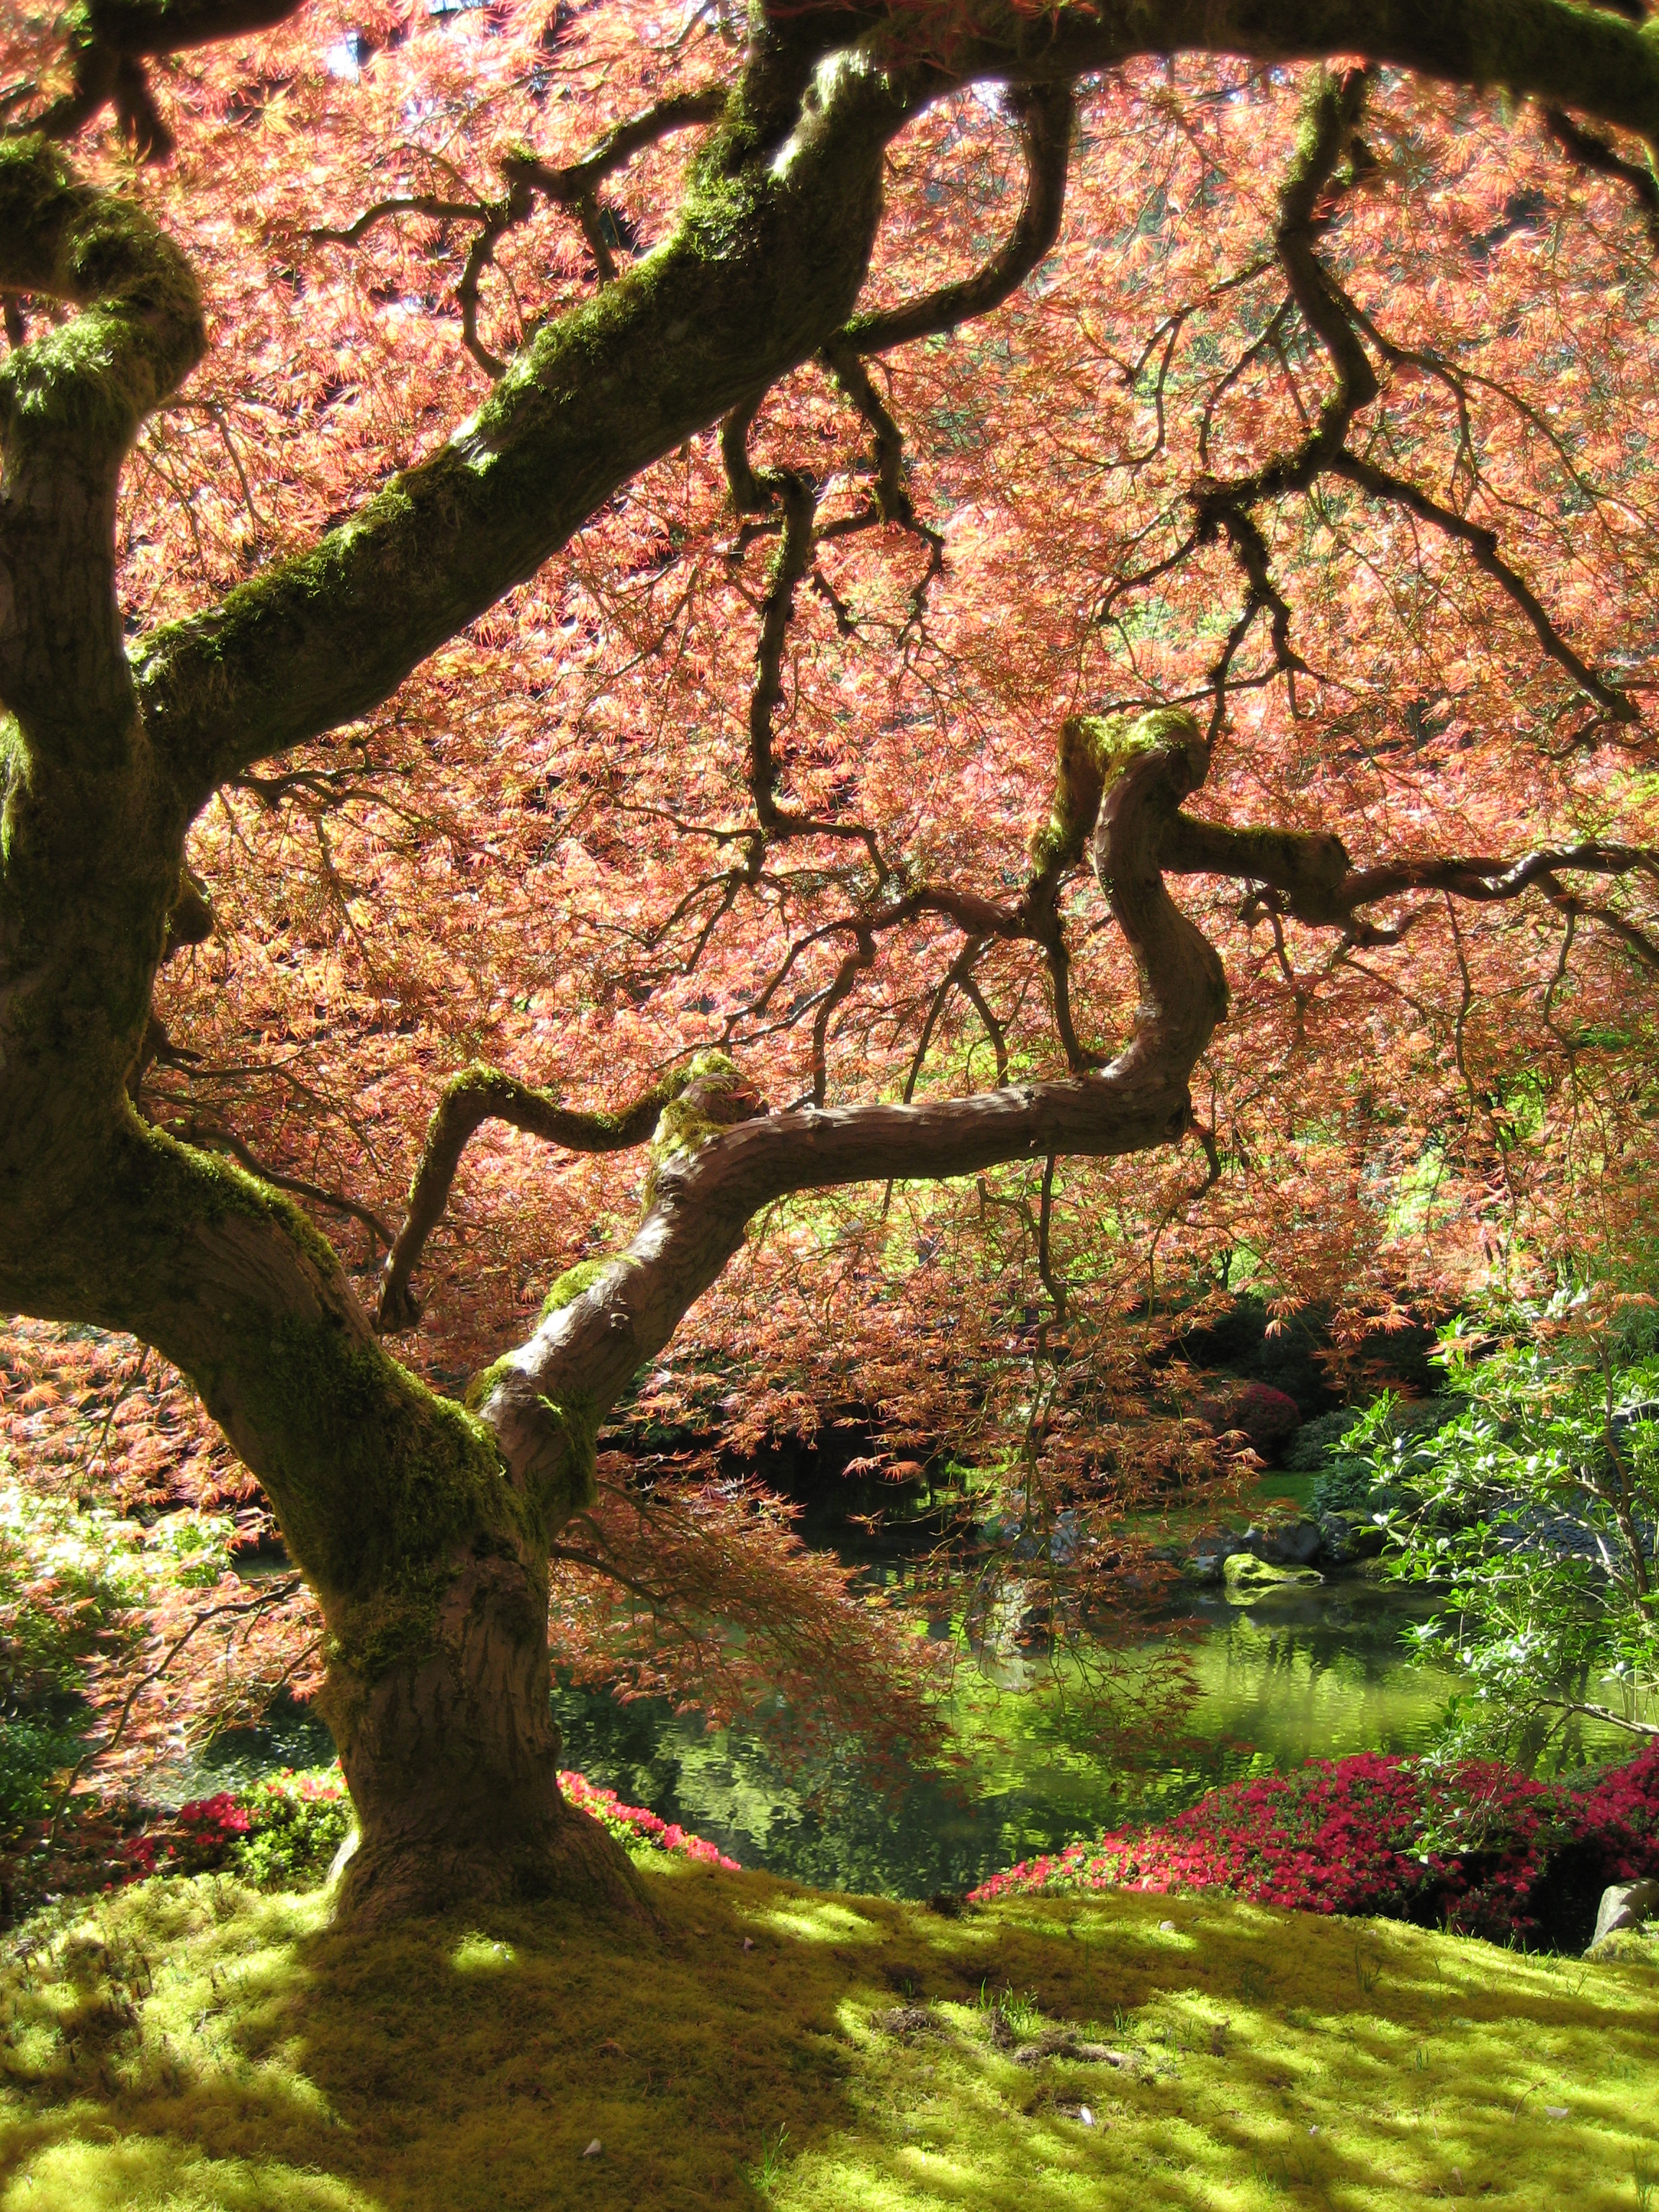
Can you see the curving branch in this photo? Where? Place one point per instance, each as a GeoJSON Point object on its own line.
{"type": "Point", "coordinates": [704, 1196]}
{"type": "Point", "coordinates": [576, 185]}
{"type": "Point", "coordinates": [480, 1094]}
{"type": "Point", "coordinates": [1044, 114]}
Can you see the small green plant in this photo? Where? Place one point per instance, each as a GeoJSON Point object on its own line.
{"type": "Point", "coordinates": [1018, 2011]}
{"type": "Point", "coordinates": [769, 2172]}
{"type": "Point", "coordinates": [297, 1822]}
{"type": "Point", "coordinates": [1368, 1972]}
{"type": "Point", "coordinates": [1646, 2180]}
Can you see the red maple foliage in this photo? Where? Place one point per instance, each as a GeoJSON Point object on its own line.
{"type": "Point", "coordinates": [1187, 447]}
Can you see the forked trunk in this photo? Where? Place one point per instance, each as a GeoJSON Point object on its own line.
{"type": "Point", "coordinates": [451, 1753]}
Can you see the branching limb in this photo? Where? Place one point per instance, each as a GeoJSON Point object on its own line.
{"type": "Point", "coordinates": [1045, 115]}
{"type": "Point", "coordinates": [1307, 875]}
{"type": "Point", "coordinates": [577, 183]}
{"type": "Point", "coordinates": [1482, 545]}
{"type": "Point", "coordinates": [955, 977]}
{"type": "Point", "coordinates": [892, 501]}
{"type": "Point", "coordinates": [703, 1198]}
{"type": "Point", "coordinates": [481, 1094]}
{"type": "Point", "coordinates": [862, 955]}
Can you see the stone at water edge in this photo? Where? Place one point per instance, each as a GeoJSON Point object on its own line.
{"type": "Point", "coordinates": [1290, 1544]}
{"type": "Point", "coordinates": [1246, 1576]}
{"type": "Point", "coordinates": [1625, 1906]}
{"type": "Point", "coordinates": [1347, 1536]}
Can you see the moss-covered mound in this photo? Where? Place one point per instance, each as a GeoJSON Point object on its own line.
{"type": "Point", "coordinates": [190, 2046]}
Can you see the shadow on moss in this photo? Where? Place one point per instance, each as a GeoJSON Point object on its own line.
{"type": "Point", "coordinates": [195, 2045]}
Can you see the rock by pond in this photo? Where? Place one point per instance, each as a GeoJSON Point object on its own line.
{"type": "Point", "coordinates": [1625, 1906]}
{"type": "Point", "coordinates": [1246, 1576]}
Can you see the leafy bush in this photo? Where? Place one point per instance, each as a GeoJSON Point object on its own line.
{"type": "Point", "coordinates": [1362, 1457]}
{"type": "Point", "coordinates": [634, 1826]}
{"type": "Point", "coordinates": [296, 1823]}
{"type": "Point", "coordinates": [1536, 1512]}
{"type": "Point", "coordinates": [1475, 1846]}
{"type": "Point", "coordinates": [282, 1831]}
{"type": "Point", "coordinates": [69, 1582]}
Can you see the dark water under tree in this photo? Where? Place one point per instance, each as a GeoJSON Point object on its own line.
{"type": "Point", "coordinates": [1318, 1673]}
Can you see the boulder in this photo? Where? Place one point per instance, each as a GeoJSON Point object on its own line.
{"type": "Point", "coordinates": [1266, 1417]}
{"type": "Point", "coordinates": [1623, 1907]}
{"type": "Point", "coordinates": [1344, 1537]}
{"type": "Point", "coordinates": [1246, 1576]}
{"type": "Point", "coordinates": [1287, 1543]}
{"type": "Point", "coordinates": [1211, 1553]}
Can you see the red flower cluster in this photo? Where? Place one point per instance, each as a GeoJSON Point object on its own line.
{"type": "Point", "coordinates": [192, 1840]}
{"type": "Point", "coordinates": [634, 1821]}
{"type": "Point", "coordinates": [1478, 1848]}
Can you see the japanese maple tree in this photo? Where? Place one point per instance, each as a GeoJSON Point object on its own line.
{"type": "Point", "coordinates": [681, 589]}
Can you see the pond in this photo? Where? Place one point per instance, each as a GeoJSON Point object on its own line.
{"type": "Point", "coordinates": [1293, 1678]}
{"type": "Point", "coordinates": [1315, 1673]}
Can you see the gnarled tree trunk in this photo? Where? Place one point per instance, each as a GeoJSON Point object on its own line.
{"type": "Point", "coordinates": [452, 1756]}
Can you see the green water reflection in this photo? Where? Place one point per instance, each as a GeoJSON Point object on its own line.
{"type": "Point", "coordinates": [1312, 1676]}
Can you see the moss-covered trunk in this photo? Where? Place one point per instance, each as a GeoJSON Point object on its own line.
{"type": "Point", "coordinates": [452, 1757]}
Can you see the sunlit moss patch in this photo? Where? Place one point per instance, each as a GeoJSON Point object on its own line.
{"type": "Point", "coordinates": [196, 2046]}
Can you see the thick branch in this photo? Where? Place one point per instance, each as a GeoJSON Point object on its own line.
{"type": "Point", "coordinates": [764, 266]}
{"type": "Point", "coordinates": [111, 39]}
{"type": "Point", "coordinates": [1308, 875]}
{"type": "Point", "coordinates": [481, 1094]}
{"type": "Point", "coordinates": [140, 27]}
{"type": "Point", "coordinates": [1593, 62]}
{"type": "Point", "coordinates": [72, 401]}
{"type": "Point", "coordinates": [704, 1197]}
{"type": "Point", "coordinates": [1593, 152]}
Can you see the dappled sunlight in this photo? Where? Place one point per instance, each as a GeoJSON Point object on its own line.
{"type": "Point", "coordinates": [192, 2047]}
{"type": "Point", "coordinates": [815, 1919]}
{"type": "Point", "coordinates": [478, 1955]}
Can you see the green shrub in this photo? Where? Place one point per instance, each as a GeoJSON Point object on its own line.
{"type": "Point", "coordinates": [1364, 1459]}
{"type": "Point", "coordinates": [296, 1823]}
{"type": "Point", "coordinates": [1534, 1514]}
{"type": "Point", "coordinates": [70, 1585]}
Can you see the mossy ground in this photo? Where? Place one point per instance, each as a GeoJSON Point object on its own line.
{"type": "Point", "coordinates": [193, 2046]}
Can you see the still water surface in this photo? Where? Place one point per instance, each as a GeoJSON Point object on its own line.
{"type": "Point", "coordinates": [1292, 1678]}
{"type": "Point", "coordinates": [1318, 1674]}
